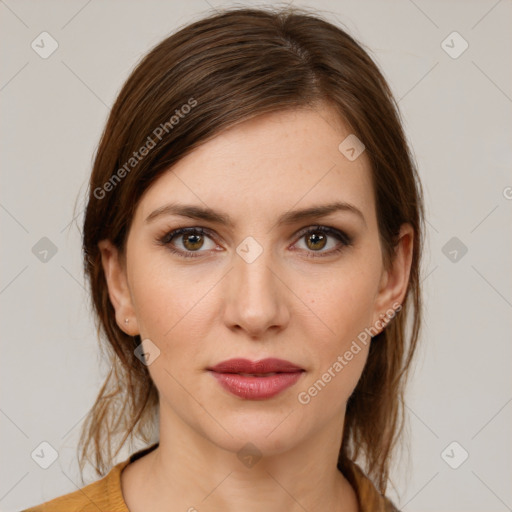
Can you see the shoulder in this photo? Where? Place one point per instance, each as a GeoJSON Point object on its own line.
{"type": "Point", "coordinates": [103, 494]}
{"type": "Point", "coordinates": [369, 498]}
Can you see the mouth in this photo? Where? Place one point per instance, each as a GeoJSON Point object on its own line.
{"type": "Point", "coordinates": [251, 368]}
{"type": "Point", "coordinates": [256, 380]}
{"type": "Point", "coordinates": [258, 374]}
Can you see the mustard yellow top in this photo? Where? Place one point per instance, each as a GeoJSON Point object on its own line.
{"type": "Point", "coordinates": [105, 495]}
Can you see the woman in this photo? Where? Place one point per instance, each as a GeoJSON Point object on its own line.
{"type": "Point", "coordinates": [252, 241]}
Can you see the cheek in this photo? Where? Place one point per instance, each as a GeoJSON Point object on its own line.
{"type": "Point", "coordinates": [172, 315]}
{"type": "Point", "coordinates": [344, 302]}
{"type": "Point", "coordinates": [339, 345]}
{"type": "Point", "coordinates": [167, 299]}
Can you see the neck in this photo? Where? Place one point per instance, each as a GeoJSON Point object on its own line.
{"type": "Point", "coordinates": [188, 472]}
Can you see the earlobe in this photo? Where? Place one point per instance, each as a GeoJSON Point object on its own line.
{"type": "Point", "coordinates": [118, 290]}
{"type": "Point", "coordinates": [393, 286]}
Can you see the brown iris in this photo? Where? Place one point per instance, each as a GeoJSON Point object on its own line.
{"type": "Point", "coordinates": [316, 238]}
{"type": "Point", "coordinates": [193, 241]}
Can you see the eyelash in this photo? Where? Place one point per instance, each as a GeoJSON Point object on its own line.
{"type": "Point", "coordinates": [345, 240]}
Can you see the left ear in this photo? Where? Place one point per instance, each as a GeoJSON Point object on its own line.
{"type": "Point", "coordinates": [393, 284]}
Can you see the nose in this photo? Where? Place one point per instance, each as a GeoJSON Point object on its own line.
{"type": "Point", "coordinates": [256, 296]}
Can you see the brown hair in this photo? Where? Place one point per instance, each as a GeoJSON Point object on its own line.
{"type": "Point", "coordinates": [216, 72]}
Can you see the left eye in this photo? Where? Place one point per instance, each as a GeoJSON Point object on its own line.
{"type": "Point", "coordinates": [193, 239]}
{"type": "Point", "coordinates": [316, 239]}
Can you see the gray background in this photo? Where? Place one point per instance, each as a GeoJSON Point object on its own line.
{"type": "Point", "coordinates": [456, 113]}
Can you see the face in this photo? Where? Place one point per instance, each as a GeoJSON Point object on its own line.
{"type": "Point", "coordinates": [259, 283]}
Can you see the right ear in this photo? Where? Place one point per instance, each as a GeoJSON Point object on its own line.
{"type": "Point", "coordinates": [115, 274]}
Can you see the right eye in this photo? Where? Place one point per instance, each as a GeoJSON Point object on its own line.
{"type": "Point", "coordinates": [192, 240]}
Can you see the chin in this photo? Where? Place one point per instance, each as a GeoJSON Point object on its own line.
{"type": "Point", "coordinates": [270, 434]}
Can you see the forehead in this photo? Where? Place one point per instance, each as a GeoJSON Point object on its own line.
{"type": "Point", "coordinates": [268, 164]}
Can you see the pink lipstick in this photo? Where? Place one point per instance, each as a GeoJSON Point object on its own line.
{"type": "Point", "coordinates": [256, 380]}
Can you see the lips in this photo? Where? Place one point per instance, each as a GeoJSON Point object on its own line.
{"type": "Point", "coordinates": [256, 380]}
{"type": "Point", "coordinates": [262, 367]}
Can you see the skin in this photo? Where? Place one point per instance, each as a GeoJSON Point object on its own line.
{"type": "Point", "coordinates": [201, 311]}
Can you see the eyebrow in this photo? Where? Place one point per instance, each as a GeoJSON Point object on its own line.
{"type": "Point", "coordinates": [291, 217]}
